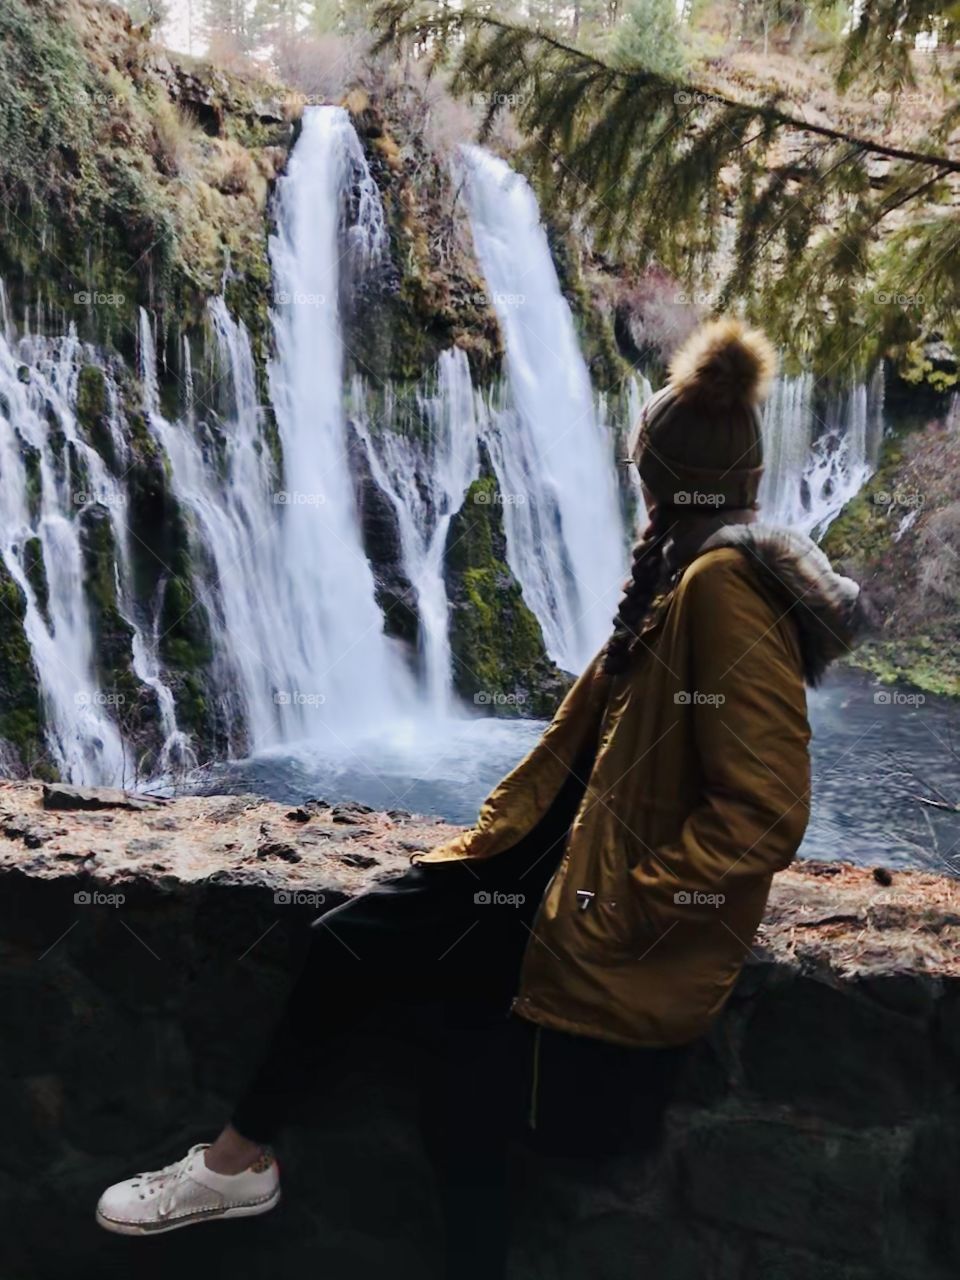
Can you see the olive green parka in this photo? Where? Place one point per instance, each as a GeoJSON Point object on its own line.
{"type": "Point", "coordinates": [699, 791]}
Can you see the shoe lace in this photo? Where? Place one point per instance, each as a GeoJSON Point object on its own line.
{"type": "Point", "coordinates": [173, 1175]}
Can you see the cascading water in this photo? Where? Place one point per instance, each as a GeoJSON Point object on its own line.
{"type": "Point", "coordinates": [425, 477]}
{"type": "Point", "coordinates": [49, 475]}
{"type": "Point", "coordinates": [555, 465]}
{"type": "Point", "coordinates": [815, 464]}
{"type": "Point", "coordinates": [338, 648]}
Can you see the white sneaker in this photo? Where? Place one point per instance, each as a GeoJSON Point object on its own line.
{"type": "Point", "coordinates": [186, 1192]}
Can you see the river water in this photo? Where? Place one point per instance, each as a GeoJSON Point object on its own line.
{"type": "Point", "coordinates": [875, 750]}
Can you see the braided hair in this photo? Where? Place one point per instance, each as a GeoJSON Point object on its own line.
{"type": "Point", "coordinates": [639, 593]}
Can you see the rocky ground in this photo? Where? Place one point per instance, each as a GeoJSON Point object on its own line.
{"type": "Point", "coordinates": [853, 920]}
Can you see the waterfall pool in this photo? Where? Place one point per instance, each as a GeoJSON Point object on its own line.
{"type": "Point", "coordinates": [876, 749]}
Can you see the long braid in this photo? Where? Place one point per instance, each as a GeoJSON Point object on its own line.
{"type": "Point", "coordinates": [639, 594]}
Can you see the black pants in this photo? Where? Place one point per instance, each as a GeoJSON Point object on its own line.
{"type": "Point", "coordinates": [451, 937]}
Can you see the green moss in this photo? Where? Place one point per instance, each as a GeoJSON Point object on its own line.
{"type": "Point", "coordinates": [32, 458]}
{"type": "Point", "coordinates": [36, 572]}
{"type": "Point", "coordinates": [113, 635]}
{"type": "Point", "coordinates": [595, 329]}
{"type": "Point", "coordinates": [497, 646]}
{"type": "Point", "coordinates": [92, 410]}
{"type": "Point", "coordinates": [184, 626]}
{"type": "Point", "coordinates": [929, 662]}
{"type": "Point", "coordinates": [21, 709]}
{"type": "Point", "coordinates": [420, 305]}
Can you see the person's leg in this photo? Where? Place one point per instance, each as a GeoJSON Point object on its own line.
{"type": "Point", "coordinates": [381, 948]}
{"type": "Point", "coordinates": [358, 958]}
{"type": "Point", "coordinates": [469, 1117]}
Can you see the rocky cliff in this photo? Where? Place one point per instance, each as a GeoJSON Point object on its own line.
{"type": "Point", "coordinates": [144, 948]}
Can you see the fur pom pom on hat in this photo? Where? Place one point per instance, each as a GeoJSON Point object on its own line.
{"type": "Point", "coordinates": [699, 443]}
{"type": "Point", "coordinates": [724, 363]}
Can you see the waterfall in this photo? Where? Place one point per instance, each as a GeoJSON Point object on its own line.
{"type": "Point", "coordinates": [426, 476]}
{"type": "Point", "coordinates": [818, 457]}
{"type": "Point", "coordinates": [554, 463]}
{"type": "Point", "coordinates": [48, 476]}
{"type": "Point", "coordinates": [337, 646]}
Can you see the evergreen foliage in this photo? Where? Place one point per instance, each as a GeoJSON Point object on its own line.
{"type": "Point", "coordinates": [844, 242]}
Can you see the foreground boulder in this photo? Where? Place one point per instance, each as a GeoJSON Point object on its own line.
{"type": "Point", "coordinates": [143, 957]}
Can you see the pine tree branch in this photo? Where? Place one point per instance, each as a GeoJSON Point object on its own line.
{"type": "Point", "coordinates": [397, 23]}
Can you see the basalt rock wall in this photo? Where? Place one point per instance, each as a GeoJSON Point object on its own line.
{"type": "Point", "coordinates": [143, 955]}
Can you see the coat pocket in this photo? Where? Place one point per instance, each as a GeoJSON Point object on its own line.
{"type": "Point", "coordinates": [608, 917]}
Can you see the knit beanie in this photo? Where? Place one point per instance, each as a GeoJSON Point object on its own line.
{"type": "Point", "coordinates": [698, 443]}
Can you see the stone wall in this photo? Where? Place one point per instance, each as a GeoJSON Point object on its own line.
{"type": "Point", "coordinates": [816, 1135]}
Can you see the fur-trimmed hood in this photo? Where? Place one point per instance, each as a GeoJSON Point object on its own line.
{"type": "Point", "coordinates": [829, 610]}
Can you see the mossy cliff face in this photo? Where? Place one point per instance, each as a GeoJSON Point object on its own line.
{"type": "Point", "coordinates": [499, 662]}
{"type": "Point", "coordinates": [128, 178]}
{"type": "Point", "coordinates": [433, 296]}
{"type": "Point", "coordinates": [21, 717]}
{"type": "Point", "coordinates": [900, 537]}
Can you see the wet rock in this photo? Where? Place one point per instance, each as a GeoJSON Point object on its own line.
{"type": "Point", "coordinates": [362, 860]}
{"type": "Point", "coordinates": [60, 796]}
{"type": "Point", "coordinates": [138, 847]}
{"type": "Point", "coordinates": [279, 849]}
{"type": "Point", "coordinates": [349, 813]}
{"type": "Point", "coordinates": [299, 814]}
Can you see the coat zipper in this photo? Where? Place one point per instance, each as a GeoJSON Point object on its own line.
{"type": "Point", "coordinates": [535, 1082]}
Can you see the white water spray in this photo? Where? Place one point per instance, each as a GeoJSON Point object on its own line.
{"type": "Point", "coordinates": [555, 464]}
{"type": "Point", "coordinates": [426, 477]}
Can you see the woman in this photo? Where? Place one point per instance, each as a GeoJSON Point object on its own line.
{"type": "Point", "coordinates": [594, 921]}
